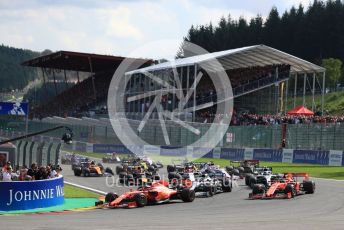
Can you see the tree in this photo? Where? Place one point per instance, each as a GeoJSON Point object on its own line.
{"type": "Point", "coordinates": [312, 33]}
{"type": "Point", "coordinates": [333, 71]}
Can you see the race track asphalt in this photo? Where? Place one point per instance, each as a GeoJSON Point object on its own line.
{"type": "Point", "coordinates": [322, 210]}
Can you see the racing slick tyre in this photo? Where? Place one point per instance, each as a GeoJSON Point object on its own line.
{"type": "Point", "coordinates": [229, 169]}
{"type": "Point", "coordinates": [252, 182]}
{"type": "Point", "coordinates": [151, 169]}
{"type": "Point", "coordinates": [226, 186]}
{"type": "Point", "coordinates": [74, 166]}
{"type": "Point", "coordinates": [122, 176]}
{"type": "Point", "coordinates": [110, 197]}
{"type": "Point", "coordinates": [211, 190]}
{"type": "Point", "coordinates": [309, 187]}
{"type": "Point", "coordinates": [77, 171]}
{"type": "Point", "coordinates": [170, 168]}
{"type": "Point", "coordinates": [119, 169]}
{"type": "Point", "coordinates": [109, 170]}
{"type": "Point", "coordinates": [290, 189]}
{"type": "Point", "coordinates": [247, 179]}
{"type": "Point", "coordinates": [86, 172]}
{"type": "Point", "coordinates": [236, 172]}
{"type": "Point", "coordinates": [258, 189]}
{"type": "Point", "coordinates": [156, 177]}
{"type": "Point", "coordinates": [129, 179]}
{"type": "Point", "coordinates": [187, 195]}
{"type": "Point", "coordinates": [140, 199]}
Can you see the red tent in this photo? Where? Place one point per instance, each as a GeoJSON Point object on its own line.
{"type": "Point", "coordinates": [301, 110]}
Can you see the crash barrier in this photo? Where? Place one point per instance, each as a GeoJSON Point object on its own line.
{"type": "Point", "coordinates": [28, 152]}
{"type": "Point", "coordinates": [298, 136]}
{"type": "Point", "coordinates": [43, 153]}
{"type": "Point", "coordinates": [22, 195]}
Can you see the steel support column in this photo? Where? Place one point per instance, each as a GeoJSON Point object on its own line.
{"type": "Point", "coordinates": [295, 90]}
{"type": "Point", "coordinates": [286, 96]}
{"type": "Point", "coordinates": [194, 95]}
{"type": "Point", "coordinates": [93, 84]}
{"type": "Point", "coordinates": [304, 89]}
{"type": "Point", "coordinates": [323, 94]}
{"type": "Point", "coordinates": [313, 92]}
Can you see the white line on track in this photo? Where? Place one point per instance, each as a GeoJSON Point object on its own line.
{"type": "Point", "coordinates": [87, 188]}
{"type": "Point", "coordinates": [318, 178]}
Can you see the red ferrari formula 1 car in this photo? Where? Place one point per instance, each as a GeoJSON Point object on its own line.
{"type": "Point", "coordinates": [157, 192]}
{"type": "Point", "coordinates": [286, 186]}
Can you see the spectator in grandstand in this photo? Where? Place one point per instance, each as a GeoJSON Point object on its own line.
{"type": "Point", "coordinates": [23, 174]}
{"type": "Point", "coordinates": [32, 172]}
{"type": "Point", "coordinates": [7, 174]}
{"type": "Point", "coordinates": [42, 173]}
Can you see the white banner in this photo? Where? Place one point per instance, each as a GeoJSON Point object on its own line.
{"type": "Point", "coordinates": [151, 149]}
{"type": "Point", "coordinates": [189, 151]}
{"type": "Point", "coordinates": [217, 152]}
{"type": "Point", "coordinates": [335, 158]}
{"type": "Point", "coordinates": [230, 137]}
{"type": "Point", "coordinates": [288, 155]}
{"type": "Point", "coordinates": [248, 154]}
{"type": "Point", "coordinates": [89, 147]}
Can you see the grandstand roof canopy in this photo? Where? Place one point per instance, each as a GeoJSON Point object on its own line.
{"type": "Point", "coordinates": [258, 55]}
{"type": "Point", "coordinates": [67, 60]}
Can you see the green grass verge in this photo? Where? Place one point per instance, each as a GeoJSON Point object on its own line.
{"type": "Point", "coordinates": [75, 192]}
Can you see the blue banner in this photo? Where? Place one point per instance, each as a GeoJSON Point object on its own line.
{"type": "Point", "coordinates": [311, 157]}
{"type": "Point", "coordinates": [274, 155]}
{"type": "Point", "coordinates": [80, 146]}
{"type": "Point", "coordinates": [22, 195]}
{"type": "Point", "coordinates": [14, 108]}
{"type": "Point", "coordinates": [173, 151]}
{"type": "Point", "coordinates": [232, 154]}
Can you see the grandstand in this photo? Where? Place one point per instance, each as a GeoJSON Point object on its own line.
{"type": "Point", "coordinates": [86, 94]}
{"type": "Point", "coordinates": [255, 72]}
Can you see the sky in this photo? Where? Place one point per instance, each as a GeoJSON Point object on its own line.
{"type": "Point", "coordinates": [118, 27]}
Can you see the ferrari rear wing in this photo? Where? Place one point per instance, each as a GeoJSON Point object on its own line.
{"type": "Point", "coordinates": [294, 175]}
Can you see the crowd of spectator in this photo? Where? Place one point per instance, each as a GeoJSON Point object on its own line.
{"type": "Point", "coordinates": [268, 119]}
{"type": "Point", "coordinates": [242, 80]}
{"type": "Point", "coordinates": [23, 173]}
{"type": "Point", "coordinates": [254, 119]}
{"type": "Point", "coordinates": [79, 99]}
